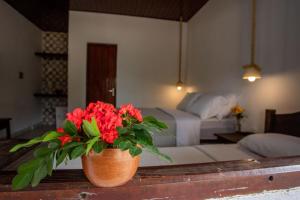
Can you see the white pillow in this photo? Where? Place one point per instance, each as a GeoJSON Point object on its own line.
{"type": "Point", "coordinates": [232, 101]}
{"type": "Point", "coordinates": [188, 100]}
{"type": "Point", "coordinates": [272, 144]}
{"type": "Point", "coordinates": [207, 106]}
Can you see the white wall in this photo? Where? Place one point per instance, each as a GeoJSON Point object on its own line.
{"type": "Point", "coordinates": [19, 39]}
{"type": "Point", "coordinates": [219, 45]}
{"type": "Point", "coordinates": [147, 57]}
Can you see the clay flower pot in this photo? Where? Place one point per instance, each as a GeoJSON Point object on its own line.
{"type": "Point", "coordinates": [110, 168]}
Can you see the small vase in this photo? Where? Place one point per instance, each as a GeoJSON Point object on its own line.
{"type": "Point", "coordinates": [238, 125]}
{"type": "Point", "coordinates": [110, 168]}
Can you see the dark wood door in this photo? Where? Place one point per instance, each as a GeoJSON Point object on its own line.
{"type": "Point", "coordinates": [101, 73]}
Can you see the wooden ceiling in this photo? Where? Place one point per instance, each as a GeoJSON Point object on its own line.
{"type": "Point", "coordinates": [160, 9]}
{"type": "Point", "coordinates": [48, 15]}
{"type": "Point", "coordinates": [52, 15]}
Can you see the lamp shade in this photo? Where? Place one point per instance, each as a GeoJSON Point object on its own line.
{"type": "Point", "coordinates": [252, 72]}
{"type": "Point", "coordinates": [179, 85]}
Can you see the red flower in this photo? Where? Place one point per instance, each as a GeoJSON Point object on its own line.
{"type": "Point", "coordinates": [76, 117]}
{"type": "Point", "coordinates": [65, 139]}
{"type": "Point", "coordinates": [60, 130]}
{"type": "Point", "coordinates": [132, 111]}
{"type": "Point", "coordinates": [107, 120]}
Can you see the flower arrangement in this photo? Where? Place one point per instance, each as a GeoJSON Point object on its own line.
{"type": "Point", "coordinates": [238, 112]}
{"type": "Point", "coordinates": [96, 128]}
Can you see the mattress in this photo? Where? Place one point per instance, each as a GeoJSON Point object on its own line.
{"type": "Point", "coordinates": [179, 155]}
{"type": "Point", "coordinates": [166, 138]}
{"type": "Point", "coordinates": [226, 152]}
{"type": "Point", "coordinates": [186, 155]}
{"type": "Point", "coordinates": [211, 126]}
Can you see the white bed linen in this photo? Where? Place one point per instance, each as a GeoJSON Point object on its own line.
{"type": "Point", "coordinates": [187, 155]}
{"type": "Point", "coordinates": [190, 127]}
{"type": "Point", "coordinates": [179, 155]}
{"type": "Point", "coordinates": [187, 127]}
{"type": "Point", "coordinates": [211, 126]}
{"type": "Point", "coordinates": [226, 152]}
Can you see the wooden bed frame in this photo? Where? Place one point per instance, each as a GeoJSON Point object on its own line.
{"type": "Point", "coordinates": [288, 124]}
{"type": "Point", "coordinates": [194, 181]}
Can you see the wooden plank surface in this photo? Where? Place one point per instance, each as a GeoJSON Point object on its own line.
{"type": "Point", "coordinates": [6, 157]}
{"type": "Point", "coordinates": [196, 181]}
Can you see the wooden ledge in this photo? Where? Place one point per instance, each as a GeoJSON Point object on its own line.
{"type": "Point", "coordinates": [196, 181]}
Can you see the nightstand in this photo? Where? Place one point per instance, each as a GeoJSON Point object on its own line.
{"type": "Point", "coordinates": [232, 137]}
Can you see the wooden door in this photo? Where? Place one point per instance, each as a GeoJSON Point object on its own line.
{"type": "Point", "coordinates": [101, 73]}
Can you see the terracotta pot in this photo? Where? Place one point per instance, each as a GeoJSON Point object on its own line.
{"type": "Point", "coordinates": [110, 168]}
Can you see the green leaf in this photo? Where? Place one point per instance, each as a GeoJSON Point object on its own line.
{"type": "Point", "coordinates": [91, 128]}
{"type": "Point", "coordinates": [61, 156]}
{"type": "Point", "coordinates": [144, 138]}
{"type": "Point", "coordinates": [90, 144]}
{"type": "Point", "coordinates": [42, 151]}
{"type": "Point", "coordinates": [21, 181]}
{"type": "Point", "coordinates": [49, 162]}
{"type": "Point", "coordinates": [138, 127]}
{"type": "Point", "coordinates": [30, 166]}
{"type": "Point", "coordinates": [39, 174]}
{"type": "Point", "coordinates": [124, 145]}
{"type": "Point", "coordinates": [70, 128]}
{"type": "Point", "coordinates": [122, 130]}
{"type": "Point", "coordinates": [45, 138]}
{"type": "Point", "coordinates": [71, 145]}
{"type": "Point", "coordinates": [77, 151]}
{"type": "Point", "coordinates": [155, 151]}
{"type": "Point", "coordinates": [53, 145]}
{"type": "Point", "coordinates": [154, 122]}
{"type": "Point", "coordinates": [99, 146]}
{"type": "Point", "coordinates": [51, 136]}
{"type": "Point", "coordinates": [117, 141]}
{"type": "Point", "coordinates": [134, 151]}
{"type": "Point", "coordinates": [27, 144]}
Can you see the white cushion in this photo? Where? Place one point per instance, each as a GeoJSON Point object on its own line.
{"type": "Point", "coordinates": [207, 106]}
{"type": "Point", "coordinates": [188, 100]}
{"type": "Point", "coordinates": [272, 144]}
{"type": "Point", "coordinates": [232, 101]}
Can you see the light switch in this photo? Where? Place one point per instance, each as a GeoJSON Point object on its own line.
{"type": "Point", "coordinates": [21, 75]}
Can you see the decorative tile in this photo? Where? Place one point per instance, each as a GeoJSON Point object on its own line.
{"type": "Point", "coordinates": [54, 74]}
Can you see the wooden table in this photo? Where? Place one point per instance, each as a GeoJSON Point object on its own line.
{"type": "Point", "coordinates": [4, 124]}
{"type": "Point", "coordinates": [232, 137]}
{"type": "Point", "coordinates": [192, 182]}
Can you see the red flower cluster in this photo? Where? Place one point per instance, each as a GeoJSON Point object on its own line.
{"type": "Point", "coordinates": [108, 118]}
{"type": "Point", "coordinates": [65, 138]}
{"type": "Point", "coordinates": [132, 111]}
{"type": "Point", "coordinates": [76, 117]}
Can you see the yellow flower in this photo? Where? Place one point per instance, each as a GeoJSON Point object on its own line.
{"type": "Point", "coordinates": [237, 110]}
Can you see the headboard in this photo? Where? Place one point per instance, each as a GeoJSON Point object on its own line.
{"type": "Point", "coordinates": [288, 124]}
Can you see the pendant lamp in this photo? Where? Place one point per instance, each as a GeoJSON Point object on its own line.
{"type": "Point", "coordinates": [180, 84]}
{"type": "Point", "coordinates": [252, 72]}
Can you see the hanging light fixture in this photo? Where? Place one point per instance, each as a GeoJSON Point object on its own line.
{"type": "Point", "coordinates": [252, 71]}
{"type": "Point", "coordinates": [179, 84]}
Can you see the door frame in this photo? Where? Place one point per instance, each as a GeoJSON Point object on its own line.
{"type": "Point", "coordinates": [86, 69]}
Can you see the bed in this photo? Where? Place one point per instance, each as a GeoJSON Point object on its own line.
{"type": "Point", "coordinates": [186, 129]}
{"type": "Point", "coordinates": [281, 139]}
